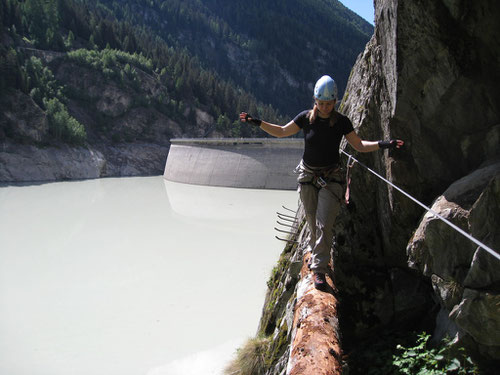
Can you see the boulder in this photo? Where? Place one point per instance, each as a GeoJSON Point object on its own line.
{"type": "Point", "coordinates": [478, 316]}
{"type": "Point", "coordinates": [465, 277]}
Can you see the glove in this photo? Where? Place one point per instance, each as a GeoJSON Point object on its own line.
{"type": "Point", "coordinates": [393, 143]}
{"type": "Point", "coordinates": [248, 118]}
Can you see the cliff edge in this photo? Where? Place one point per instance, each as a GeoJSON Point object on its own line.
{"type": "Point", "coordinates": [429, 76]}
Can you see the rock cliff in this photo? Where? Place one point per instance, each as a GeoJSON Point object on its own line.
{"type": "Point", "coordinates": [126, 135]}
{"type": "Point", "coordinates": [429, 76]}
{"type": "Point", "coordinates": [28, 163]}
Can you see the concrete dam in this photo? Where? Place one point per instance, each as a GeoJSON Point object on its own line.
{"type": "Point", "coordinates": [259, 163]}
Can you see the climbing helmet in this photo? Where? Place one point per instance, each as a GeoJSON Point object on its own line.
{"type": "Point", "coordinates": [325, 89]}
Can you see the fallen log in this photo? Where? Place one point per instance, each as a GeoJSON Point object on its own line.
{"type": "Point", "coordinates": [315, 345]}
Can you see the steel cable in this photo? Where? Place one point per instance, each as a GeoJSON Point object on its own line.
{"type": "Point", "coordinates": [430, 210]}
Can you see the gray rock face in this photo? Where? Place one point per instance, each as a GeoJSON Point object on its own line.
{"type": "Point", "coordinates": [25, 163]}
{"type": "Point", "coordinates": [427, 247]}
{"type": "Point", "coordinates": [429, 76]}
{"type": "Point", "coordinates": [465, 277]}
{"type": "Point", "coordinates": [18, 162]}
{"type": "Point", "coordinates": [478, 316]}
{"type": "Point", "coordinates": [24, 119]}
{"type": "Point", "coordinates": [130, 139]}
{"type": "Point", "coordinates": [125, 118]}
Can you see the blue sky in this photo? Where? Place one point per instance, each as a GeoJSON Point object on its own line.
{"type": "Point", "coordinates": [362, 7]}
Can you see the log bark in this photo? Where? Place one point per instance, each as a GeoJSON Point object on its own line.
{"type": "Point", "coordinates": [315, 347]}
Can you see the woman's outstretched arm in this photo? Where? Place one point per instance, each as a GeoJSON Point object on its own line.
{"type": "Point", "coordinates": [275, 130]}
{"type": "Point", "coordinates": [367, 146]}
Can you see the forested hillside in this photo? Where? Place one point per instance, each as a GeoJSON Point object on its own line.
{"type": "Point", "coordinates": [268, 47]}
{"type": "Point", "coordinates": [110, 70]}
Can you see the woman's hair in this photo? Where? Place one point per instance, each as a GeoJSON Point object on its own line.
{"type": "Point", "coordinates": [313, 113]}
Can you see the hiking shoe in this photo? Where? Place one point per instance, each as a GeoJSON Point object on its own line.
{"type": "Point", "coordinates": [319, 280]}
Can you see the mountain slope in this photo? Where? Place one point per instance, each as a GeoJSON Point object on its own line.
{"type": "Point", "coordinates": [105, 73]}
{"type": "Point", "coordinates": [272, 49]}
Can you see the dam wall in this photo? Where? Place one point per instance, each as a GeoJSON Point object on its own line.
{"type": "Point", "coordinates": [259, 163]}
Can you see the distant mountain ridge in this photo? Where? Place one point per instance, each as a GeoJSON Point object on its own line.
{"type": "Point", "coordinates": [105, 73]}
{"type": "Point", "coordinates": [269, 48]}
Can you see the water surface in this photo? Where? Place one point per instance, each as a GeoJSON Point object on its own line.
{"type": "Point", "coordinates": [132, 275]}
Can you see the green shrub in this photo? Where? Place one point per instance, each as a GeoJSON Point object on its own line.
{"type": "Point", "coordinates": [422, 360]}
{"type": "Point", "coordinates": [62, 126]}
{"type": "Point", "coordinates": [41, 81]}
{"type": "Point", "coordinates": [397, 353]}
{"type": "Point", "coordinates": [110, 62]}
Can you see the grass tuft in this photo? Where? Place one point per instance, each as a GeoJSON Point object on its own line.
{"type": "Point", "coordinates": [250, 359]}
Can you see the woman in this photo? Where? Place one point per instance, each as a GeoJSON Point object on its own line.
{"type": "Point", "coordinates": [320, 182]}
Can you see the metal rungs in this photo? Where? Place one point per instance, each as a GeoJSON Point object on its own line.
{"type": "Point", "coordinates": [286, 240]}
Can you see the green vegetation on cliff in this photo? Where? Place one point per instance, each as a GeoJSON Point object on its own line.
{"type": "Point", "coordinates": [209, 58]}
{"type": "Point", "coordinates": [185, 83]}
{"type": "Point", "coordinates": [411, 353]}
{"type": "Point", "coordinates": [259, 44]}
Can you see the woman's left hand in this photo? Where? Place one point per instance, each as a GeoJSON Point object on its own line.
{"type": "Point", "coordinates": [399, 143]}
{"type": "Point", "coordinates": [393, 143]}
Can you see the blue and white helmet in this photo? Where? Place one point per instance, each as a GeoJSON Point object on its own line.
{"type": "Point", "coordinates": [325, 89]}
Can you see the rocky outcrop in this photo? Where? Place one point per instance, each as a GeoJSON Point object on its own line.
{"type": "Point", "coordinates": [22, 119]}
{"type": "Point", "coordinates": [114, 109]}
{"type": "Point", "coordinates": [28, 163]}
{"type": "Point", "coordinates": [125, 135]}
{"type": "Point", "coordinates": [464, 276]}
{"type": "Point", "coordinates": [425, 77]}
{"type": "Point", "coordinates": [429, 76]}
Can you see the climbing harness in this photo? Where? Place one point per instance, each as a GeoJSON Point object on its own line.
{"type": "Point", "coordinates": [319, 178]}
{"type": "Point", "coordinates": [430, 210]}
{"type": "Point", "coordinates": [320, 182]}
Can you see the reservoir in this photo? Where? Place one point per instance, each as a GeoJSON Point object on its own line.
{"type": "Point", "coordinates": [132, 276]}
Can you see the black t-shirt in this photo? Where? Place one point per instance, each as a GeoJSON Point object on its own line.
{"type": "Point", "coordinates": [322, 141]}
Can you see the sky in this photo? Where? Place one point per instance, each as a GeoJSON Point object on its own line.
{"type": "Point", "coordinates": [364, 8]}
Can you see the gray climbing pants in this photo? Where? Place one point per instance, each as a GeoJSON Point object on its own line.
{"type": "Point", "coordinates": [322, 199]}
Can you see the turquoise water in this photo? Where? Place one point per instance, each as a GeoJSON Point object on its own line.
{"type": "Point", "coordinates": [132, 275]}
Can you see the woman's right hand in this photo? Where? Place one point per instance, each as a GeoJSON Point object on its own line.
{"type": "Point", "coordinates": [244, 117]}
